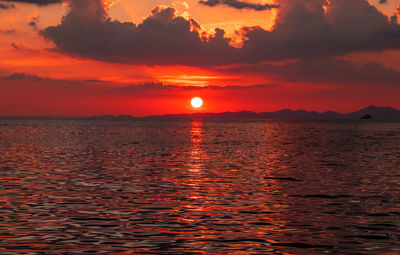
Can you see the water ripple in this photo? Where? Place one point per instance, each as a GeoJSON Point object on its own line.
{"type": "Point", "coordinates": [151, 186]}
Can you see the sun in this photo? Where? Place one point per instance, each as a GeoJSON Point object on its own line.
{"type": "Point", "coordinates": [196, 102]}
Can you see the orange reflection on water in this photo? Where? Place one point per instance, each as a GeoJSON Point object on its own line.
{"type": "Point", "coordinates": [197, 154]}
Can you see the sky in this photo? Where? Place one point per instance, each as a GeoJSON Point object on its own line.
{"type": "Point", "coordinates": [138, 57]}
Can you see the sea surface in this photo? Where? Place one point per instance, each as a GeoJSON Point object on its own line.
{"type": "Point", "coordinates": [192, 186]}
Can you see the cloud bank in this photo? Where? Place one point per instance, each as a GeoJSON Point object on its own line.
{"type": "Point", "coordinates": [37, 2]}
{"type": "Point", "coordinates": [303, 29]}
{"type": "Point", "coordinates": [326, 71]}
{"type": "Point", "coordinates": [239, 4]}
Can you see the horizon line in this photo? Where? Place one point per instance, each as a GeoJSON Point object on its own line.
{"type": "Point", "coordinates": [189, 114]}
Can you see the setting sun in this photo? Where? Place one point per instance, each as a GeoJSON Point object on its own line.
{"type": "Point", "coordinates": [196, 102]}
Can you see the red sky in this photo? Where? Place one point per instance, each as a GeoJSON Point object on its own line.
{"type": "Point", "coordinates": [94, 57]}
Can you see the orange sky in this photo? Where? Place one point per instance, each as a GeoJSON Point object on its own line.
{"type": "Point", "coordinates": [100, 86]}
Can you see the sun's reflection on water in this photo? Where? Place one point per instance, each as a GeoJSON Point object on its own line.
{"type": "Point", "coordinates": [197, 153]}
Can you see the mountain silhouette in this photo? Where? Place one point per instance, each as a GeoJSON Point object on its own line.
{"type": "Point", "coordinates": [376, 112]}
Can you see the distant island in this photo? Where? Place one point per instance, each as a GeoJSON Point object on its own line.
{"type": "Point", "coordinates": [370, 112]}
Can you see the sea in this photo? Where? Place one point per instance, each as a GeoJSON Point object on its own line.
{"type": "Point", "coordinates": [199, 186]}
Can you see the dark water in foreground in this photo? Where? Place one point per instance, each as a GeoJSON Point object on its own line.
{"type": "Point", "coordinates": [206, 187]}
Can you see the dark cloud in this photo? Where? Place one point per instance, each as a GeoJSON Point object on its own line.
{"type": "Point", "coordinates": [6, 6]}
{"type": "Point", "coordinates": [382, 1]}
{"type": "Point", "coordinates": [37, 2]}
{"type": "Point", "coordinates": [239, 4]}
{"type": "Point", "coordinates": [98, 85]}
{"type": "Point", "coordinates": [327, 71]}
{"type": "Point", "coordinates": [15, 46]}
{"type": "Point", "coordinates": [393, 19]}
{"type": "Point", "coordinates": [162, 38]}
{"type": "Point", "coordinates": [33, 22]}
{"type": "Point", "coordinates": [8, 31]}
{"type": "Point", "coordinates": [22, 77]}
{"type": "Point", "coordinates": [303, 29]}
{"type": "Point", "coordinates": [37, 85]}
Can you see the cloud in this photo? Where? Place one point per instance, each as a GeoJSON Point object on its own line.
{"type": "Point", "coordinates": [14, 46]}
{"type": "Point", "coordinates": [22, 77]}
{"type": "Point", "coordinates": [181, 4]}
{"type": "Point", "coordinates": [382, 1]}
{"type": "Point", "coordinates": [30, 85]}
{"type": "Point", "coordinates": [162, 38]}
{"type": "Point", "coordinates": [8, 31]}
{"type": "Point", "coordinates": [6, 6]}
{"type": "Point", "coordinates": [327, 71]}
{"type": "Point", "coordinates": [37, 2]}
{"type": "Point", "coordinates": [33, 21]}
{"type": "Point", "coordinates": [303, 29]}
{"type": "Point", "coordinates": [394, 19]}
{"type": "Point", "coordinates": [97, 86]}
{"type": "Point", "coordinates": [237, 4]}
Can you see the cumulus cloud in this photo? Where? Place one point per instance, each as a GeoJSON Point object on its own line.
{"type": "Point", "coordinates": [37, 2]}
{"type": "Point", "coordinates": [237, 4]}
{"type": "Point", "coordinates": [303, 29]}
{"type": "Point", "coordinates": [162, 38]}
